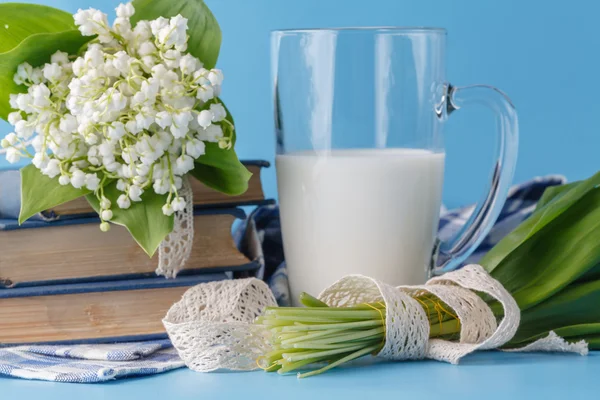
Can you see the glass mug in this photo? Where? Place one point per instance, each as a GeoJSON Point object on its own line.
{"type": "Point", "coordinates": [359, 114]}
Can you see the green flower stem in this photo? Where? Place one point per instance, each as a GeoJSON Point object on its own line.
{"type": "Point", "coordinates": [312, 345]}
{"type": "Point", "coordinates": [349, 357]}
{"type": "Point", "coordinates": [336, 313]}
{"type": "Point", "coordinates": [310, 301]}
{"type": "Point", "coordinates": [286, 367]}
{"type": "Point", "coordinates": [291, 357]}
{"type": "Point", "coordinates": [377, 332]}
{"type": "Point", "coordinates": [343, 325]}
{"type": "Point", "coordinates": [315, 335]}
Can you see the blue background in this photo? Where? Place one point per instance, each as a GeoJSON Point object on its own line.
{"type": "Point", "coordinates": [544, 54]}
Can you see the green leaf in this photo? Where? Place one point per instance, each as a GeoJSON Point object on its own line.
{"type": "Point", "coordinates": [554, 192]}
{"type": "Point", "coordinates": [203, 29]}
{"type": "Point", "coordinates": [570, 333]}
{"type": "Point", "coordinates": [557, 255]}
{"type": "Point", "coordinates": [34, 33]}
{"type": "Point", "coordinates": [40, 193]}
{"type": "Point", "coordinates": [540, 218]}
{"type": "Point", "coordinates": [576, 305]}
{"type": "Point", "coordinates": [221, 169]}
{"type": "Point", "coordinates": [19, 21]}
{"type": "Point", "coordinates": [144, 220]}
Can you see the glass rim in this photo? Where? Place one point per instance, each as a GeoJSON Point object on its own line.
{"type": "Point", "coordinates": [375, 29]}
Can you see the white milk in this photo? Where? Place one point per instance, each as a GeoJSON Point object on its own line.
{"type": "Point", "coordinates": [371, 212]}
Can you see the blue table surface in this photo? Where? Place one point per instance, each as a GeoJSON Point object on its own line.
{"type": "Point", "coordinates": [484, 375]}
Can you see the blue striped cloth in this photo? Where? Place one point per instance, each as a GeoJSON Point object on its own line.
{"type": "Point", "coordinates": [102, 362]}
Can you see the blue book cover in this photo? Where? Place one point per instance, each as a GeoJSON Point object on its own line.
{"type": "Point", "coordinates": [9, 224]}
{"type": "Point", "coordinates": [112, 286]}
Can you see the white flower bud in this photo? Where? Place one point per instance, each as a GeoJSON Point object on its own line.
{"type": "Point", "coordinates": [218, 111]}
{"type": "Point", "coordinates": [178, 204]}
{"type": "Point", "coordinates": [205, 118]}
{"type": "Point", "coordinates": [163, 119]}
{"type": "Point", "coordinates": [59, 58]}
{"type": "Point", "coordinates": [195, 148]}
{"type": "Point", "coordinates": [135, 193]}
{"type": "Point", "coordinates": [14, 117]}
{"type": "Point", "coordinates": [161, 186]}
{"type": "Point", "coordinates": [12, 155]}
{"type": "Point", "coordinates": [205, 93]}
{"type": "Point", "coordinates": [167, 210]}
{"type": "Point", "coordinates": [92, 182]}
{"type": "Point", "coordinates": [105, 204]}
{"type": "Point", "coordinates": [104, 226]}
{"type": "Point", "coordinates": [52, 72]}
{"type": "Point", "coordinates": [23, 129]}
{"type": "Point", "coordinates": [10, 140]}
{"type": "Point", "coordinates": [183, 165]}
{"type": "Point", "coordinates": [123, 202]}
{"type": "Point", "coordinates": [188, 64]}
{"type": "Point", "coordinates": [211, 134]}
{"type": "Point", "coordinates": [52, 168]}
{"type": "Point", "coordinates": [106, 215]}
{"type": "Point", "coordinates": [125, 10]}
{"type": "Point", "coordinates": [215, 76]}
{"type": "Point", "coordinates": [64, 180]}
{"type": "Point", "coordinates": [77, 178]}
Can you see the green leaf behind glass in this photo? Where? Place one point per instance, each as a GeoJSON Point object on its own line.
{"type": "Point", "coordinates": [564, 250]}
{"type": "Point", "coordinates": [40, 193]}
{"type": "Point", "coordinates": [144, 220]}
{"type": "Point", "coordinates": [34, 33]}
{"type": "Point", "coordinates": [203, 29]}
{"type": "Point", "coordinates": [220, 169]}
{"type": "Point", "coordinates": [554, 192]}
{"type": "Point", "coordinates": [536, 222]}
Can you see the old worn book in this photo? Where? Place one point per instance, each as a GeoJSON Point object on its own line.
{"type": "Point", "coordinates": [75, 250]}
{"type": "Point", "coordinates": [204, 197]}
{"type": "Point", "coordinates": [92, 312]}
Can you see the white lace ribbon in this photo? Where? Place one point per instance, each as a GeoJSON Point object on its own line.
{"type": "Point", "coordinates": [211, 326]}
{"type": "Point", "coordinates": [175, 249]}
{"type": "Point", "coordinates": [203, 331]}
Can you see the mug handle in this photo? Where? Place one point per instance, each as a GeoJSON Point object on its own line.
{"type": "Point", "coordinates": [449, 255]}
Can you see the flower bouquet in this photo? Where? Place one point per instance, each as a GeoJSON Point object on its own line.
{"type": "Point", "coordinates": [119, 113]}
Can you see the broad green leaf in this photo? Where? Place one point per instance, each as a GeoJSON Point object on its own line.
{"type": "Point", "coordinates": [221, 169]}
{"type": "Point", "coordinates": [34, 33]}
{"type": "Point", "coordinates": [560, 253]}
{"type": "Point", "coordinates": [203, 29]}
{"type": "Point", "coordinates": [40, 193]}
{"type": "Point", "coordinates": [592, 274]}
{"type": "Point", "coordinates": [144, 220]}
{"type": "Point", "coordinates": [536, 222]}
{"type": "Point", "coordinates": [570, 333]}
{"type": "Point", "coordinates": [18, 21]}
{"type": "Point", "coordinates": [554, 192]}
{"type": "Point", "coordinates": [575, 305]}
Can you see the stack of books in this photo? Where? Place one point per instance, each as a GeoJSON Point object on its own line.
{"type": "Point", "coordinates": [66, 281]}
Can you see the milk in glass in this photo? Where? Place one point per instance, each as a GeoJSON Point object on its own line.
{"type": "Point", "coordinates": [372, 212]}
